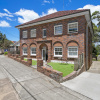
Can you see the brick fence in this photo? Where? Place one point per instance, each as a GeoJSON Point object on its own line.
{"type": "Point", "coordinates": [21, 59]}
{"type": "Point", "coordinates": [56, 75]}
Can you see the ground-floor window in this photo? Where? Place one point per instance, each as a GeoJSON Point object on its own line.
{"type": "Point", "coordinates": [33, 51]}
{"type": "Point", "coordinates": [58, 51]}
{"type": "Point", "coordinates": [72, 52]}
{"type": "Point", "coordinates": [24, 50]}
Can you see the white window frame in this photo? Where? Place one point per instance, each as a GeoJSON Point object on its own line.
{"type": "Point", "coordinates": [43, 34]}
{"type": "Point", "coordinates": [23, 51]}
{"type": "Point", "coordinates": [73, 31]}
{"type": "Point", "coordinates": [69, 56]}
{"type": "Point", "coordinates": [58, 55]}
{"type": "Point", "coordinates": [24, 33]}
{"type": "Point", "coordinates": [58, 26]}
{"type": "Point", "coordinates": [31, 33]}
{"type": "Point", "coordinates": [31, 51]}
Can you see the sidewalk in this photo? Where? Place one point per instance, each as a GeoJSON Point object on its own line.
{"type": "Point", "coordinates": [7, 92]}
{"type": "Point", "coordinates": [87, 83]}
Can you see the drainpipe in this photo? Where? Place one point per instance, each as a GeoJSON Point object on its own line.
{"type": "Point", "coordinates": [87, 45]}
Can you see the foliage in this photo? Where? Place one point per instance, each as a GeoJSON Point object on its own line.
{"type": "Point", "coordinates": [6, 53]}
{"type": "Point", "coordinates": [98, 49]}
{"type": "Point", "coordinates": [94, 50]}
{"type": "Point", "coordinates": [4, 42]}
{"type": "Point", "coordinates": [62, 67]}
{"type": "Point", "coordinates": [96, 15]}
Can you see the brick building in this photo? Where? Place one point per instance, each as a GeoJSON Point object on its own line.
{"type": "Point", "coordinates": [64, 34]}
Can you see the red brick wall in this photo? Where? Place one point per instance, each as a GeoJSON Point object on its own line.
{"type": "Point", "coordinates": [56, 40]}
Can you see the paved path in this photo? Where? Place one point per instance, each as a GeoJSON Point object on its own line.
{"type": "Point", "coordinates": [32, 85]}
{"type": "Point", "coordinates": [88, 83]}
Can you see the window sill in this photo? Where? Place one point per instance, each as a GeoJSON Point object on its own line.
{"type": "Point", "coordinates": [57, 34]}
{"type": "Point", "coordinates": [57, 56]}
{"type": "Point", "coordinates": [24, 54]}
{"type": "Point", "coordinates": [33, 55]}
{"type": "Point", "coordinates": [73, 57]}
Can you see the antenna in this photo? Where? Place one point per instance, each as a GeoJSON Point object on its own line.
{"type": "Point", "coordinates": [63, 4]}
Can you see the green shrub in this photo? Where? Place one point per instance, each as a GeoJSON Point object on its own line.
{"type": "Point", "coordinates": [6, 53]}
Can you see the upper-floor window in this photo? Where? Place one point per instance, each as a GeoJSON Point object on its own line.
{"type": "Point", "coordinates": [33, 33]}
{"type": "Point", "coordinates": [72, 52]}
{"type": "Point", "coordinates": [33, 51]}
{"type": "Point", "coordinates": [58, 29]}
{"type": "Point", "coordinates": [24, 34]}
{"type": "Point", "coordinates": [73, 27]}
{"type": "Point", "coordinates": [44, 33]}
{"type": "Point", "coordinates": [58, 51]}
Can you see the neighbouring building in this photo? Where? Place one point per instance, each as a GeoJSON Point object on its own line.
{"type": "Point", "coordinates": [14, 47]}
{"type": "Point", "coordinates": [64, 34]}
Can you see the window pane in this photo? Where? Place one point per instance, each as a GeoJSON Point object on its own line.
{"type": "Point", "coordinates": [44, 32]}
{"type": "Point", "coordinates": [24, 34]}
{"type": "Point", "coordinates": [58, 29]}
{"type": "Point", "coordinates": [33, 33]}
{"type": "Point", "coordinates": [58, 51]}
{"type": "Point", "coordinates": [33, 50]}
{"type": "Point", "coordinates": [73, 27]}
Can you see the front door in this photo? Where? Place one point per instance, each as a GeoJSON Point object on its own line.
{"type": "Point", "coordinates": [44, 54]}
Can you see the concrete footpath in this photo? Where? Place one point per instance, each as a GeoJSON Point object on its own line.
{"type": "Point", "coordinates": [88, 83]}
{"type": "Point", "coordinates": [7, 92]}
{"type": "Point", "coordinates": [32, 85]}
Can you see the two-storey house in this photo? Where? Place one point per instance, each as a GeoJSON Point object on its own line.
{"type": "Point", "coordinates": [64, 34]}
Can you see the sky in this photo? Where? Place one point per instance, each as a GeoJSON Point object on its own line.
{"type": "Point", "coordinates": [16, 12]}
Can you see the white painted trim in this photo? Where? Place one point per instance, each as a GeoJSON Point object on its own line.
{"type": "Point", "coordinates": [58, 55]}
{"type": "Point", "coordinates": [68, 52]}
{"type": "Point", "coordinates": [43, 33]}
{"type": "Point", "coordinates": [59, 61]}
{"type": "Point", "coordinates": [24, 33]}
{"type": "Point", "coordinates": [57, 26]}
{"type": "Point", "coordinates": [30, 33]}
{"type": "Point", "coordinates": [56, 19]}
{"type": "Point", "coordinates": [23, 51]}
{"type": "Point", "coordinates": [31, 52]}
{"type": "Point", "coordinates": [68, 27]}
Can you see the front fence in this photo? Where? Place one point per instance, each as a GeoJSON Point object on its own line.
{"type": "Point", "coordinates": [78, 62]}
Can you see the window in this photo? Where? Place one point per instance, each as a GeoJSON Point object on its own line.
{"type": "Point", "coordinates": [73, 27]}
{"type": "Point", "coordinates": [33, 51]}
{"type": "Point", "coordinates": [58, 30]}
{"type": "Point", "coordinates": [44, 33]}
{"type": "Point", "coordinates": [25, 51]}
{"type": "Point", "coordinates": [24, 34]}
{"type": "Point", "coordinates": [72, 52]}
{"type": "Point", "coordinates": [58, 51]}
{"type": "Point", "coordinates": [33, 33]}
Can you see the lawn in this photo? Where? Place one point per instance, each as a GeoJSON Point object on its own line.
{"type": "Point", "coordinates": [62, 67]}
{"type": "Point", "coordinates": [34, 62]}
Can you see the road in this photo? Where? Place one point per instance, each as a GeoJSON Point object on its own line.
{"type": "Point", "coordinates": [30, 84]}
{"type": "Point", "coordinates": [88, 83]}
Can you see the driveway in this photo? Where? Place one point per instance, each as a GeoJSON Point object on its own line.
{"type": "Point", "coordinates": [88, 83]}
{"type": "Point", "coordinates": [32, 85]}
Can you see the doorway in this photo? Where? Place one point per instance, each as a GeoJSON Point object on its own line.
{"type": "Point", "coordinates": [44, 54]}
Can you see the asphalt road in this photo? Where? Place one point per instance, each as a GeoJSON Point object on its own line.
{"type": "Point", "coordinates": [32, 85]}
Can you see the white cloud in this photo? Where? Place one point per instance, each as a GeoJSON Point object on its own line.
{"type": "Point", "coordinates": [6, 11]}
{"type": "Point", "coordinates": [3, 23]}
{"type": "Point", "coordinates": [50, 11]}
{"type": "Point", "coordinates": [5, 14]}
{"type": "Point", "coordinates": [46, 1]}
{"type": "Point", "coordinates": [8, 18]}
{"type": "Point", "coordinates": [92, 8]}
{"type": "Point", "coordinates": [26, 15]}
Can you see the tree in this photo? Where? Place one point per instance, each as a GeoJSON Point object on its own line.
{"type": "Point", "coordinates": [4, 42]}
{"type": "Point", "coordinates": [96, 15]}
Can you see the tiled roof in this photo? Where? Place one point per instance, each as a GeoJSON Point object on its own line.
{"type": "Point", "coordinates": [54, 15]}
